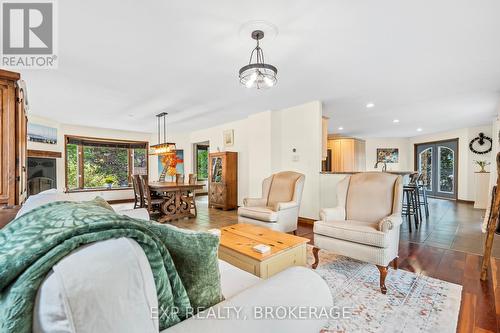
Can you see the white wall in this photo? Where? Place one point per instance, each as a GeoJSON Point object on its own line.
{"type": "Point", "coordinates": [213, 135]}
{"type": "Point", "coordinates": [300, 128]}
{"type": "Point", "coordinates": [403, 144]}
{"type": "Point", "coordinates": [64, 129]}
{"type": "Point", "coordinates": [259, 151]}
{"type": "Point", "coordinates": [495, 125]}
{"type": "Point", "coordinates": [466, 158]}
{"type": "Point", "coordinates": [264, 142]}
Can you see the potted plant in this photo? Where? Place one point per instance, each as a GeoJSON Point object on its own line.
{"type": "Point", "coordinates": [482, 165]}
{"type": "Point", "coordinates": [109, 180]}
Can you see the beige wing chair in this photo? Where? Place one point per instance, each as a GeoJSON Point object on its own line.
{"type": "Point", "coordinates": [278, 208]}
{"type": "Point", "coordinates": [365, 224]}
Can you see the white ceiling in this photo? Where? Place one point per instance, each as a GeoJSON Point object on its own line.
{"type": "Point", "coordinates": [430, 64]}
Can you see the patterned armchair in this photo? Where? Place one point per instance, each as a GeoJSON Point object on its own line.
{"type": "Point", "coordinates": [278, 208]}
{"type": "Point", "coordinates": [365, 224]}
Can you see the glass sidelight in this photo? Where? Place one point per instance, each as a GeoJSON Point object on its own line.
{"type": "Point", "coordinates": [437, 161]}
{"type": "Point", "coordinates": [425, 167]}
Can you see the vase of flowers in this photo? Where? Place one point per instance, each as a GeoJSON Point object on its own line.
{"type": "Point", "coordinates": [482, 165]}
{"type": "Point", "coordinates": [109, 180]}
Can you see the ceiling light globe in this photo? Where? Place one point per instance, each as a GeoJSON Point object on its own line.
{"type": "Point", "coordinates": [260, 76]}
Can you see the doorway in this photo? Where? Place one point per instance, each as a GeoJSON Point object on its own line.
{"type": "Point", "coordinates": [438, 163]}
{"type": "Point", "coordinates": [200, 164]}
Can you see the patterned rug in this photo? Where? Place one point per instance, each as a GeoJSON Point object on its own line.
{"type": "Point", "coordinates": [413, 303]}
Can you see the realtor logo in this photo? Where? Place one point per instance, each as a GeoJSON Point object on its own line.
{"type": "Point", "coordinates": [28, 34]}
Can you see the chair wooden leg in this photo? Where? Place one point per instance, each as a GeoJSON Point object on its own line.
{"type": "Point", "coordinates": [316, 257]}
{"type": "Point", "coordinates": [383, 274]}
{"type": "Point", "coordinates": [395, 263]}
{"type": "Point", "coordinates": [295, 232]}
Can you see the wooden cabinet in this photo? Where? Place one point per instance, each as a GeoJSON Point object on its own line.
{"type": "Point", "coordinates": [223, 180]}
{"type": "Point", "coordinates": [348, 155]}
{"type": "Point", "coordinates": [13, 141]}
{"type": "Point", "coordinates": [7, 214]}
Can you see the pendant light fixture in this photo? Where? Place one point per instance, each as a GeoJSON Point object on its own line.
{"type": "Point", "coordinates": [258, 74]}
{"type": "Point", "coordinates": [162, 147]}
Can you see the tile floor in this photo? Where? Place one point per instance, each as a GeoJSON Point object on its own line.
{"type": "Point", "coordinates": [450, 225]}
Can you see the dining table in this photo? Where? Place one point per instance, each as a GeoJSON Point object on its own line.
{"type": "Point", "coordinates": [178, 199]}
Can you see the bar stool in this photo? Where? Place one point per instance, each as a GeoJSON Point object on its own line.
{"type": "Point", "coordinates": [414, 183]}
{"type": "Point", "coordinates": [409, 207]}
{"type": "Point", "coordinates": [411, 204]}
{"type": "Point", "coordinates": [422, 193]}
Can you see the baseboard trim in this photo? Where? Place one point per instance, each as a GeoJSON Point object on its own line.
{"type": "Point", "coordinates": [470, 202]}
{"type": "Point", "coordinates": [306, 220]}
{"type": "Point", "coordinates": [119, 201]}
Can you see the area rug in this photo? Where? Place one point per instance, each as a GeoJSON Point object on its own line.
{"type": "Point", "coordinates": [413, 303]}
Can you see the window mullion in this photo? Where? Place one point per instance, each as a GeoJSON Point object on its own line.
{"type": "Point", "coordinates": [80, 167]}
{"type": "Point", "coordinates": [130, 165]}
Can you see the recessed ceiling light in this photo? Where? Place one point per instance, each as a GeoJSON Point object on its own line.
{"type": "Point", "coordinates": [419, 129]}
{"type": "Point", "coordinates": [341, 128]}
{"type": "Point", "coordinates": [370, 105]}
{"type": "Point", "coordinates": [395, 121]}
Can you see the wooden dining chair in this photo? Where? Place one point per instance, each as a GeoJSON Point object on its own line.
{"type": "Point", "coordinates": [192, 178]}
{"type": "Point", "coordinates": [151, 203]}
{"type": "Point", "coordinates": [138, 196]}
{"type": "Point", "coordinates": [179, 178]}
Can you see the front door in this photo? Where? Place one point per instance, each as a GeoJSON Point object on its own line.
{"type": "Point", "coordinates": [438, 162]}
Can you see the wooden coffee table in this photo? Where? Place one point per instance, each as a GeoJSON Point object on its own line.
{"type": "Point", "coordinates": [236, 244]}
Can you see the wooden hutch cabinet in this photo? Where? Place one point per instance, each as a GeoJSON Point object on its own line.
{"type": "Point", "coordinates": [223, 180]}
{"type": "Point", "coordinates": [13, 141]}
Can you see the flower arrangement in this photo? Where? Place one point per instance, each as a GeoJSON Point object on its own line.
{"type": "Point", "coordinates": [482, 165]}
{"type": "Point", "coordinates": [109, 180]}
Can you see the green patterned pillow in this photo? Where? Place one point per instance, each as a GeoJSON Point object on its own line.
{"type": "Point", "coordinates": [99, 201]}
{"type": "Point", "coordinates": [195, 255]}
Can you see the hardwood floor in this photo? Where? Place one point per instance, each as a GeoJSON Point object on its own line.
{"type": "Point", "coordinates": [418, 253]}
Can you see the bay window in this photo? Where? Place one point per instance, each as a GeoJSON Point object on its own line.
{"type": "Point", "coordinates": [93, 163]}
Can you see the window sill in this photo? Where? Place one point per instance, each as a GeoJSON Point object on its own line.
{"type": "Point", "coordinates": [99, 189]}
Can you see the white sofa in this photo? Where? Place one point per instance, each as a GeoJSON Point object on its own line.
{"type": "Point", "coordinates": [84, 293]}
